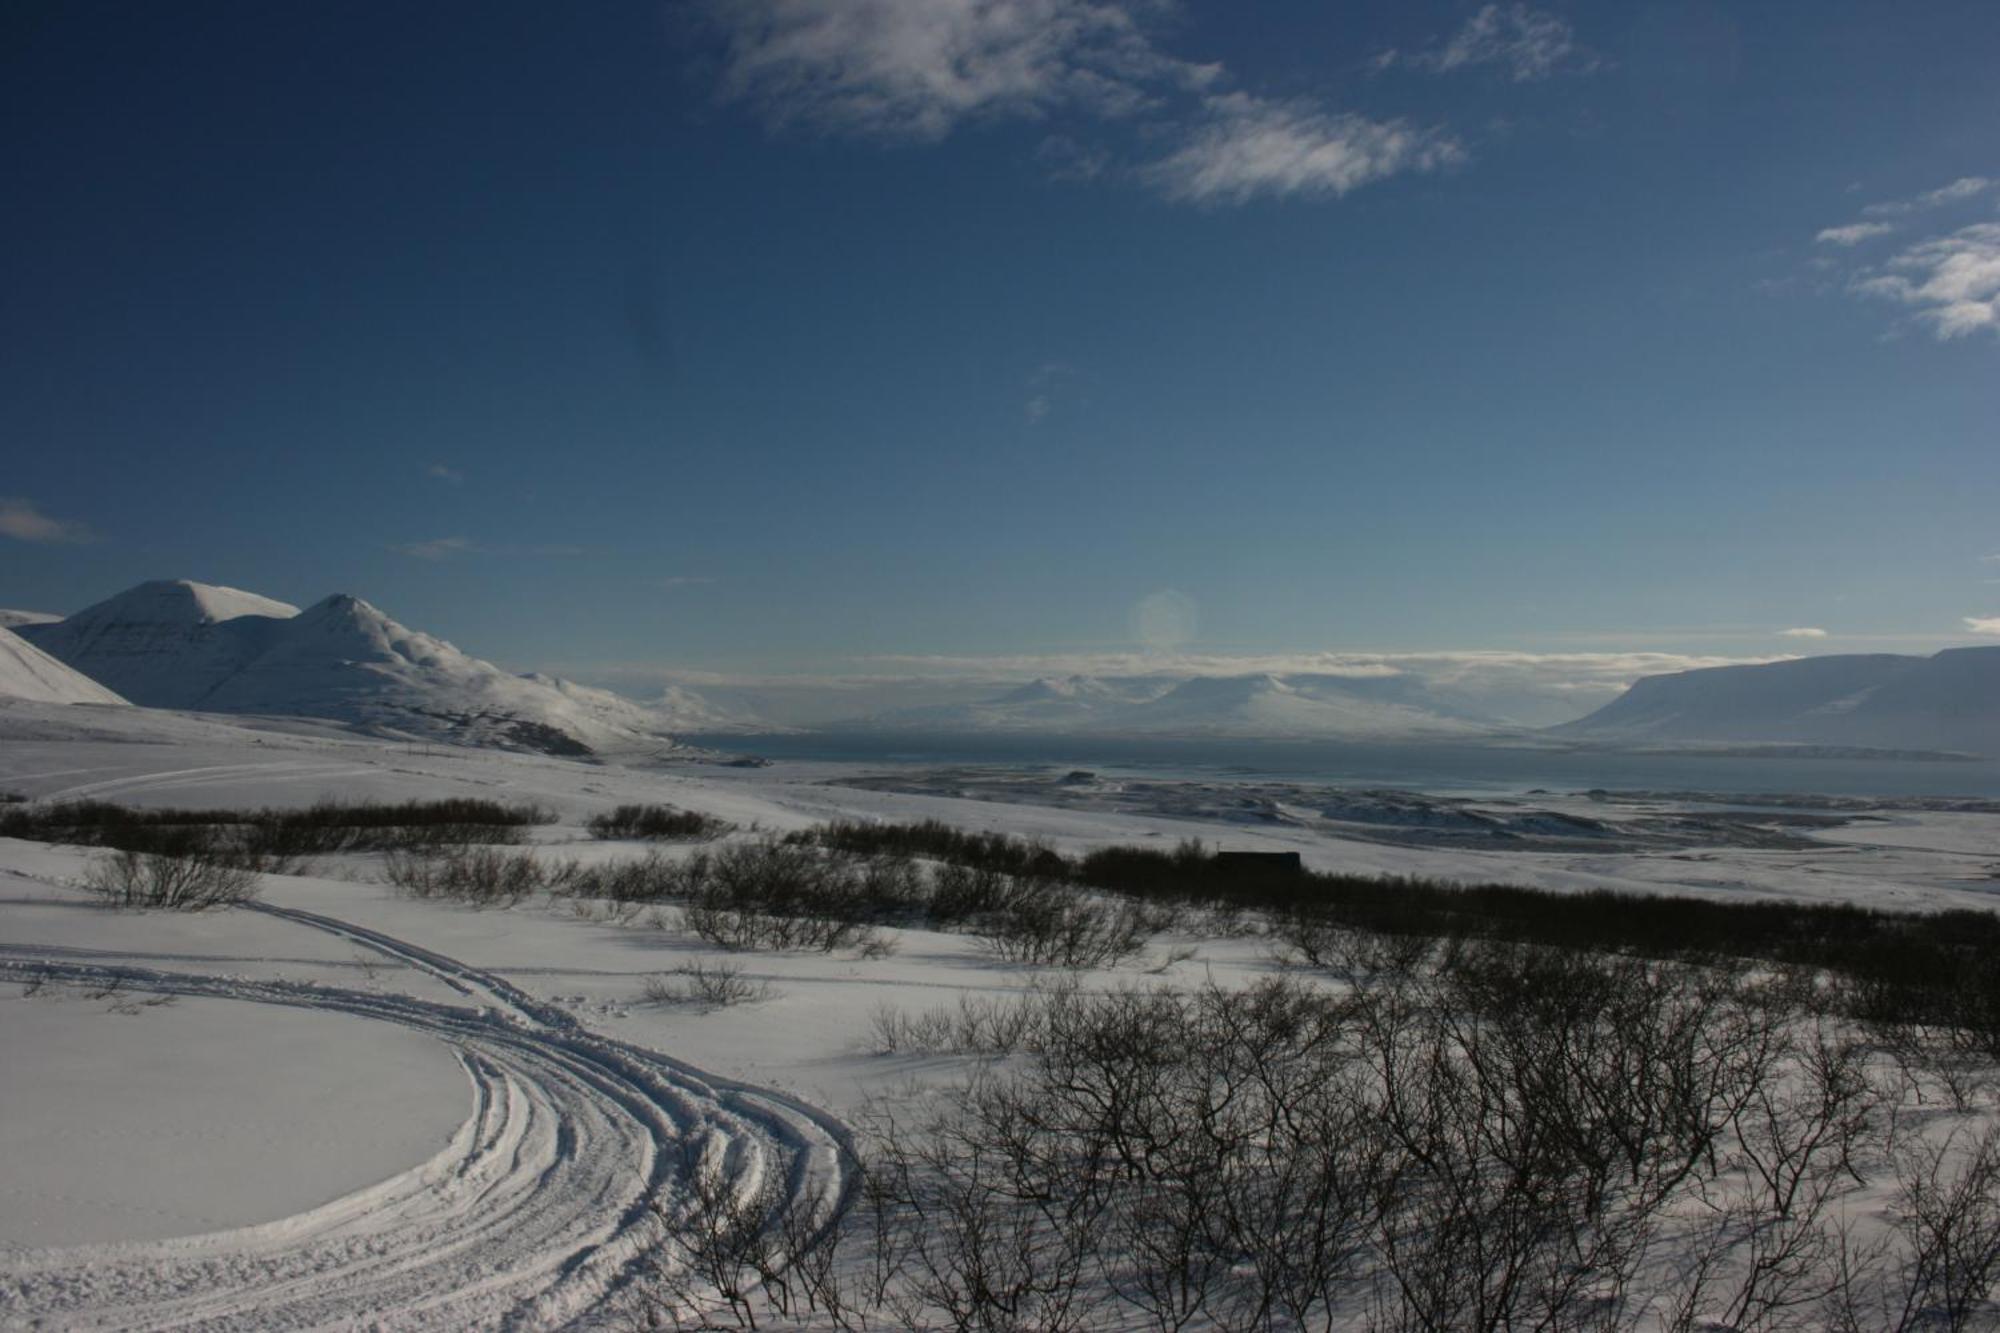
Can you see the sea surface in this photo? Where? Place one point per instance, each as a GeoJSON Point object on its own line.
{"type": "Point", "coordinates": [1452, 768]}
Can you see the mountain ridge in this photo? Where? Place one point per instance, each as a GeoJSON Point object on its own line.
{"type": "Point", "coordinates": [1949, 701]}
{"type": "Point", "coordinates": [198, 647]}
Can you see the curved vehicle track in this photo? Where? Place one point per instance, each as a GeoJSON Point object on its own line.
{"type": "Point", "coordinates": [536, 1216]}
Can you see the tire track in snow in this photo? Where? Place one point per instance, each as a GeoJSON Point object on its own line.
{"type": "Point", "coordinates": [211, 775]}
{"type": "Point", "coordinates": [533, 1217]}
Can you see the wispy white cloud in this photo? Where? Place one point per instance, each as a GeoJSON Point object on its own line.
{"type": "Point", "coordinates": [1530, 44]}
{"type": "Point", "coordinates": [1248, 148]}
{"type": "Point", "coordinates": [1949, 283]}
{"type": "Point", "coordinates": [23, 520]}
{"type": "Point", "coordinates": [1802, 632]}
{"type": "Point", "coordinates": [916, 70]}
{"type": "Point", "coordinates": [1965, 187]}
{"type": "Point", "coordinates": [438, 548]}
{"type": "Point", "coordinates": [1982, 624]}
{"type": "Point", "coordinates": [443, 473]}
{"type": "Point", "coordinates": [1854, 233]}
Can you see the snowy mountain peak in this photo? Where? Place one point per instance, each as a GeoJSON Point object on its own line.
{"type": "Point", "coordinates": [164, 644]}
{"type": "Point", "coordinates": [182, 602]}
{"type": "Point", "coordinates": [186, 645]}
{"type": "Point", "coordinates": [1064, 688]}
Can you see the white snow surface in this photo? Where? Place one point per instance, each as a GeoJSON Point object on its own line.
{"type": "Point", "coordinates": [182, 645]}
{"type": "Point", "coordinates": [506, 1196]}
{"type": "Point", "coordinates": [26, 672]}
{"type": "Point", "coordinates": [10, 617]}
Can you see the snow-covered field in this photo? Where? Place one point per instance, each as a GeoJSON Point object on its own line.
{"type": "Point", "coordinates": [343, 1107]}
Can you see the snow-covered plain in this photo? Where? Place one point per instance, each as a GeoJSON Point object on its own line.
{"type": "Point", "coordinates": [361, 1109]}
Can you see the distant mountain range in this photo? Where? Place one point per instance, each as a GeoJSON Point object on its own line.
{"type": "Point", "coordinates": [1948, 701]}
{"type": "Point", "coordinates": [183, 645]}
{"type": "Point", "coordinates": [192, 646]}
{"type": "Point", "coordinates": [1256, 704]}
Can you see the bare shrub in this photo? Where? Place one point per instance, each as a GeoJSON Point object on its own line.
{"type": "Point", "coordinates": [773, 895]}
{"type": "Point", "coordinates": [1049, 924]}
{"type": "Point", "coordinates": [712, 985]}
{"type": "Point", "coordinates": [656, 821]}
{"type": "Point", "coordinates": [485, 876]}
{"type": "Point", "coordinates": [191, 881]}
{"type": "Point", "coordinates": [1948, 1218]}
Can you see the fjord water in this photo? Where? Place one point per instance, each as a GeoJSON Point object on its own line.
{"type": "Point", "coordinates": [1478, 769]}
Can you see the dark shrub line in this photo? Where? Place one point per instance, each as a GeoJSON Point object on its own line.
{"type": "Point", "coordinates": [1931, 968]}
{"type": "Point", "coordinates": [269, 834]}
{"type": "Point", "coordinates": [656, 822]}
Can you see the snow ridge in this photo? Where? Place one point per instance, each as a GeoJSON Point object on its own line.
{"type": "Point", "coordinates": [26, 672]}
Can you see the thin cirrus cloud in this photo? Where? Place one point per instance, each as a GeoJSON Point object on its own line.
{"type": "Point", "coordinates": [1950, 283]}
{"type": "Point", "coordinates": [438, 548]}
{"type": "Point", "coordinates": [1982, 624]}
{"type": "Point", "coordinates": [1854, 233]}
{"type": "Point", "coordinates": [1247, 147]}
{"type": "Point", "coordinates": [1965, 187]}
{"type": "Point", "coordinates": [1947, 283]}
{"type": "Point", "coordinates": [22, 520]}
{"type": "Point", "coordinates": [1802, 632]}
{"type": "Point", "coordinates": [445, 474]}
{"type": "Point", "coordinates": [1529, 44]}
{"type": "Point", "coordinates": [916, 70]}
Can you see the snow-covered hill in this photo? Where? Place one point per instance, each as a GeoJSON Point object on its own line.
{"type": "Point", "coordinates": [192, 646]}
{"type": "Point", "coordinates": [26, 672]}
{"type": "Point", "coordinates": [1948, 701]}
{"type": "Point", "coordinates": [165, 644]}
{"type": "Point", "coordinates": [1252, 705]}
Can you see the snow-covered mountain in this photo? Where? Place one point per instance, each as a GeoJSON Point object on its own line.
{"type": "Point", "coordinates": [191, 646]}
{"type": "Point", "coordinates": [1948, 701]}
{"type": "Point", "coordinates": [1252, 705]}
{"type": "Point", "coordinates": [26, 672]}
{"type": "Point", "coordinates": [166, 644]}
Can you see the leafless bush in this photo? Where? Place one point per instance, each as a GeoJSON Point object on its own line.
{"type": "Point", "coordinates": [976, 1026]}
{"type": "Point", "coordinates": [772, 895]}
{"type": "Point", "coordinates": [1050, 924]}
{"type": "Point", "coordinates": [1948, 1218]}
{"type": "Point", "coordinates": [486, 876]}
{"type": "Point", "coordinates": [191, 881]}
{"type": "Point", "coordinates": [713, 985]}
{"type": "Point", "coordinates": [656, 821]}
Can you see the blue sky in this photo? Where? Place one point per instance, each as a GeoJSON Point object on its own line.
{"type": "Point", "coordinates": [777, 336]}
